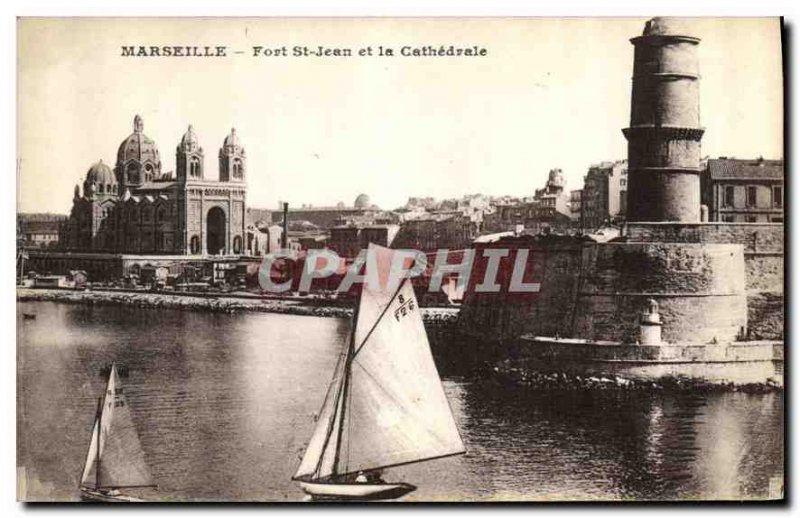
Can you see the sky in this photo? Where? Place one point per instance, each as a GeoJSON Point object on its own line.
{"type": "Point", "coordinates": [550, 93]}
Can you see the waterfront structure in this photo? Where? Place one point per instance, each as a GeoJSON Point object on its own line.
{"type": "Point", "coordinates": [717, 287]}
{"type": "Point", "coordinates": [604, 196]}
{"type": "Point", "coordinates": [664, 133]}
{"type": "Point", "coordinates": [737, 191]}
{"type": "Point", "coordinates": [39, 230]}
{"type": "Point", "coordinates": [137, 208]}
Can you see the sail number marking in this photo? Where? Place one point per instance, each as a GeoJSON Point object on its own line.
{"type": "Point", "coordinates": [406, 306]}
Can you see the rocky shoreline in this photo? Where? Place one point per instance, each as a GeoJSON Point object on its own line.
{"type": "Point", "coordinates": [209, 303]}
{"type": "Point", "coordinates": [505, 372]}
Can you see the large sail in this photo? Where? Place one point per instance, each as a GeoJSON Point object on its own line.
{"type": "Point", "coordinates": [89, 476]}
{"type": "Point", "coordinates": [121, 458]}
{"type": "Point", "coordinates": [397, 410]}
{"type": "Point", "coordinates": [386, 405]}
{"type": "Point", "coordinates": [321, 451]}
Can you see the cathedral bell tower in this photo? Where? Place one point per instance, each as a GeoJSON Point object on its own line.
{"type": "Point", "coordinates": [232, 159]}
{"type": "Point", "coordinates": [189, 158]}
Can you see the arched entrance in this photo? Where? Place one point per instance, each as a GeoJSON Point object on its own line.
{"type": "Point", "coordinates": [215, 231]}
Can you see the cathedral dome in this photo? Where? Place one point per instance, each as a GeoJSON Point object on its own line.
{"type": "Point", "coordinates": [232, 140]}
{"type": "Point", "coordinates": [138, 146]}
{"type": "Point", "coordinates": [189, 139]}
{"type": "Point", "coordinates": [100, 173]}
{"type": "Point", "coordinates": [362, 202]}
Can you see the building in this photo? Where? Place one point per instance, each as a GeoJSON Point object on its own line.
{"type": "Point", "coordinates": [348, 241]}
{"type": "Point", "coordinates": [437, 230]}
{"type": "Point", "coordinates": [136, 208]}
{"type": "Point", "coordinates": [549, 210]}
{"type": "Point", "coordinates": [717, 287]}
{"type": "Point", "coordinates": [39, 230]}
{"type": "Point", "coordinates": [604, 196]}
{"type": "Point", "coordinates": [575, 202]}
{"type": "Point", "coordinates": [326, 217]}
{"type": "Point", "coordinates": [750, 191]}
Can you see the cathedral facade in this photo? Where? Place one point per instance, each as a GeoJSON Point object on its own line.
{"type": "Point", "coordinates": [135, 208]}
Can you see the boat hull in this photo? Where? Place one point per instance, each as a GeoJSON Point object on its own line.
{"type": "Point", "coordinates": [93, 495]}
{"type": "Point", "coordinates": [356, 491]}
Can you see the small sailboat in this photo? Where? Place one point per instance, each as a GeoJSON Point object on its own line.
{"type": "Point", "coordinates": [115, 462]}
{"type": "Point", "coordinates": [385, 406]}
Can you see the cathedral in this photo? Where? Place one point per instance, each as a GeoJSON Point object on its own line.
{"type": "Point", "coordinates": [135, 208]}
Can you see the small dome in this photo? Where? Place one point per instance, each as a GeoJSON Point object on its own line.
{"type": "Point", "coordinates": [137, 146]}
{"type": "Point", "coordinates": [189, 139]}
{"type": "Point", "coordinates": [100, 173]}
{"type": "Point", "coordinates": [362, 202]}
{"type": "Point", "coordinates": [232, 139]}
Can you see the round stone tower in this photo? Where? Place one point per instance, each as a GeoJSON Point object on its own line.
{"type": "Point", "coordinates": [664, 133]}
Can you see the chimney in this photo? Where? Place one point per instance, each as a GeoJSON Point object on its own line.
{"type": "Point", "coordinates": [285, 233]}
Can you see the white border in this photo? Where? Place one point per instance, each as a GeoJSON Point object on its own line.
{"type": "Point", "coordinates": [10, 10]}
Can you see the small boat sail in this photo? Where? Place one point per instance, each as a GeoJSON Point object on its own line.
{"type": "Point", "coordinates": [115, 461]}
{"type": "Point", "coordinates": [385, 406]}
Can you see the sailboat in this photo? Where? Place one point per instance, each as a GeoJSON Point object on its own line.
{"type": "Point", "coordinates": [115, 461]}
{"type": "Point", "coordinates": [385, 406]}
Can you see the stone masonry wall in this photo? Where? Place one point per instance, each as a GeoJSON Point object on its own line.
{"type": "Point", "coordinates": [764, 263]}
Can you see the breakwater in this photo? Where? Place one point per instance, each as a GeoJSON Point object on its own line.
{"type": "Point", "coordinates": [212, 303]}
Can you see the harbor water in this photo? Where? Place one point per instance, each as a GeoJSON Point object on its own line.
{"type": "Point", "coordinates": [225, 404]}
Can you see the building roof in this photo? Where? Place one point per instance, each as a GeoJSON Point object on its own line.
{"type": "Point", "coordinates": [232, 142]}
{"type": "Point", "coordinates": [100, 173]}
{"type": "Point", "coordinates": [665, 26]}
{"type": "Point", "coordinates": [41, 227]}
{"type": "Point", "coordinates": [138, 146]}
{"type": "Point", "coordinates": [737, 169]}
{"type": "Point", "coordinates": [189, 140]}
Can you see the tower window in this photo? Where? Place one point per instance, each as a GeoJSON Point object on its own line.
{"type": "Point", "coordinates": [194, 245]}
{"type": "Point", "coordinates": [133, 174]}
{"type": "Point", "coordinates": [237, 168]}
{"type": "Point", "coordinates": [194, 167]}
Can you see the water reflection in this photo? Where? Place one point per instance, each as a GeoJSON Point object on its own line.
{"type": "Point", "coordinates": [226, 403]}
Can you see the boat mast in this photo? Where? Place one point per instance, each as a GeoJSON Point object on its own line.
{"type": "Point", "coordinates": [339, 394]}
{"type": "Point", "coordinates": [345, 394]}
{"type": "Point", "coordinates": [100, 426]}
